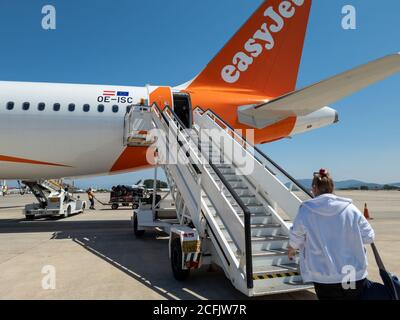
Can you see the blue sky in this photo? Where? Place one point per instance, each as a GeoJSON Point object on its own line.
{"type": "Point", "coordinates": [168, 42]}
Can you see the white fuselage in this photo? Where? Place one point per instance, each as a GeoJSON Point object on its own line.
{"type": "Point", "coordinates": [73, 141]}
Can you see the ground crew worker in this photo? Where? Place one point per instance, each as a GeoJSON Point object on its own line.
{"type": "Point", "coordinates": [330, 233]}
{"type": "Point", "coordinates": [91, 198]}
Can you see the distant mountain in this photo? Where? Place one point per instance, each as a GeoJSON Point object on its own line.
{"type": "Point", "coordinates": [356, 184]}
{"type": "Point", "coordinates": [349, 184]}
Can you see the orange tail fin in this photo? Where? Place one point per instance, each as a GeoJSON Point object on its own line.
{"type": "Point", "coordinates": [264, 55]}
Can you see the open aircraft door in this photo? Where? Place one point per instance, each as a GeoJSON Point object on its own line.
{"type": "Point", "coordinates": [179, 102]}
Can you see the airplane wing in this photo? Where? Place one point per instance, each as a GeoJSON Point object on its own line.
{"type": "Point", "coordinates": [316, 96]}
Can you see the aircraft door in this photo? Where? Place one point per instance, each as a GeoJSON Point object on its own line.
{"type": "Point", "coordinates": [183, 108]}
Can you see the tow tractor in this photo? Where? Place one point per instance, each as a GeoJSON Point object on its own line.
{"type": "Point", "coordinates": [53, 200]}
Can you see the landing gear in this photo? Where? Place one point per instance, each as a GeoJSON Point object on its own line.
{"type": "Point", "coordinates": [114, 206]}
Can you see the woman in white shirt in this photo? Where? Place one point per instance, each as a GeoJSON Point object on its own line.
{"type": "Point", "coordinates": [330, 233]}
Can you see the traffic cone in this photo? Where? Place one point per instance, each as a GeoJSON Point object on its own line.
{"type": "Point", "coordinates": [366, 213]}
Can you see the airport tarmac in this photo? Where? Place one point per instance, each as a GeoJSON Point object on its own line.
{"type": "Point", "coordinates": [96, 255]}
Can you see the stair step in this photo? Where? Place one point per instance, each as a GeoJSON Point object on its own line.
{"type": "Point", "coordinates": [270, 252]}
{"type": "Point", "coordinates": [264, 258]}
{"type": "Point", "coordinates": [255, 219]}
{"type": "Point", "coordinates": [221, 166]}
{"type": "Point", "coordinates": [253, 210]}
{"type": "Point", "coordinates": [230, 179]}
{"type": "Point", "coordinates": [270, 270]}
{"type": "Point", "coordinates": [258, 226]}
{"type": "Point", "coordinates": [241, 192]}
{"type": "Point", "coordinates": [247, 199]}
{"type": "Point", "coordinates": [256, 215]}
{"type": "Point", "coordinates": [290, 266]}
{"type": "Point", "coordinates": [253, 207]}
{"type": "Point", "coordinates": [266, 238]}
{"type": "Point", "coordinates": [276, 286]}
{"type": "Point", "coordinates": [265, 225]}
{"type": "Point", "coordinates": [266, 230]}
{"type": "Point", "coordinates": [276, 243]}
{"type": "Point", "coordinates": [249, 195]}
{"type": "Point", "coordinates": [236, 185]}
{"type": "Point", "coordinates": [256, 208]}
{"type": "Point", "coordinates": [240, 188]}
{"type": "Point", "coordinates": [225, 172]}
{"type": "Point", "coordinates": [277, 279]}
{"type": "Point", "coordinates": [231, 175]}
{"type": "Point", "coordinates": [269, 238]}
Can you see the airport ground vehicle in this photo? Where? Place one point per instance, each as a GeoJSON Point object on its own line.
{"type": "Point", "coordinates": [53, 200]}
{"type": "Point", "coordinates": [218, 211]}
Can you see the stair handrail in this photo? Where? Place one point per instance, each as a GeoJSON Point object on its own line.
{"type": "Point", "coordinates": [247, 224]}
{"type": "Point", "coordinates": [212, 114]}
{"type": "Point", "coordinates": [164, 118]}
{"type": "Point", "coordinates": [236, 197]}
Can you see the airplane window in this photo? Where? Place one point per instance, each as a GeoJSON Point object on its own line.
{"type": "Point", "coordinates": [86, 108]}
{"type": "Point", "coordinates": [100, 108]}
{"type": "Point", "coordinates": [56, 107]}
{"type": "Point", "coordinates": [25, 106]}
{"type": "Point", "coordinates": [115, 108]}
{"type": "Point", "coordinates": [10, 105]}
{"type": "Point", "coordinates": [71, 107]}
{"type": "Point", "coordinates": [41, 106]}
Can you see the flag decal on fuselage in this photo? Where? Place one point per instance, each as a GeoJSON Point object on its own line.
{"type": "Point", "coordinates": [113, 96]}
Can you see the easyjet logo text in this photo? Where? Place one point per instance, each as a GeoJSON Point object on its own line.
{"type": "Point", "coordinates": [262, 39]}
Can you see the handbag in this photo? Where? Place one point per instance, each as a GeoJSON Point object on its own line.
{"type": "Point", "coordinates": [390, 281]}
{"type": "Point", "coordinates": [389, 290]}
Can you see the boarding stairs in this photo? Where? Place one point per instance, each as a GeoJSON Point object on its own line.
{"type": "Point", "coordinates": [235, 196]}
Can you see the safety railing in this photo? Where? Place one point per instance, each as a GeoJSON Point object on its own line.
{"type": "Point", "coordinates": [161, 115]}
{"type": "Point", "coordinates": [259, 155]}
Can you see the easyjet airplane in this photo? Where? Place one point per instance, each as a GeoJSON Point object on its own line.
{"type": "Point", "coordinates": [63, 130]}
